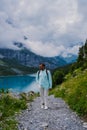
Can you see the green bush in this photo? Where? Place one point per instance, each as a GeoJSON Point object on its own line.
{"type": "Point", "coordinates": [58, 77]}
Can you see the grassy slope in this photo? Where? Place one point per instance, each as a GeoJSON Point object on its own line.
{"type": "Point", "coordinates": [74, 91]}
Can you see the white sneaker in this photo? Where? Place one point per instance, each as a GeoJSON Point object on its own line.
{"type": "Point", "coordinates": [45, 107]}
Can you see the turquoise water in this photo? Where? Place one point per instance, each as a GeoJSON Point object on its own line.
{"type": "Point", "coordinates": [19, 83]}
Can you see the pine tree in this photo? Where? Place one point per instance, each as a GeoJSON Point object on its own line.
{"type": "Point", "coordinates": [85, 49]}
{"type": "Point", "coordinates": [80, 59]}
{"type": "Point", "coordinates": [82, 56]}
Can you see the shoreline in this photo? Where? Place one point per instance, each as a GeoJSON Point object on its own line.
{"type": "Point", "coordinates": [33, 74]}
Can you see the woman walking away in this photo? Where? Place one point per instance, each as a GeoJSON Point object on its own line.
{"type": "Point", "coordinates": [44, 80]}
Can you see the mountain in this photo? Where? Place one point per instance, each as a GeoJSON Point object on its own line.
{"type": "Point", "coordinates": [27, 58]}
{"type": "Point", "coordinates": [12, 67]}
{"type": "Point", "coordinates": [70, 58]}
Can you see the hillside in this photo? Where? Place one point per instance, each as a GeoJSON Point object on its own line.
{"type": "Point", "coordinates": [74, 91]}
{"type": "Point", "coordinates": [12, 67]}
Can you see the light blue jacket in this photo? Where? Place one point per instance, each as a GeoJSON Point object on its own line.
{"type": "Point", "coordinates": [43, 79]}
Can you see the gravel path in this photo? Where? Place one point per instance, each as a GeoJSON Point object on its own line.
{"type": "Point", "coordinates": [57, 117]}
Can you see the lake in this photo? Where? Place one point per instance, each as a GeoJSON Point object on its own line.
{"type": "Point", "coordinates": [18, 84]}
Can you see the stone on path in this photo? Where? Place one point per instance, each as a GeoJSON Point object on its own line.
{"type": "Point", "coordinates": [85, 124]}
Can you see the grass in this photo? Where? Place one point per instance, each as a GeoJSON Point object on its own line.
{"type": "Point", "coordinates": [74, 91]}
{"type": "Point", "coordinates": [9, 106]}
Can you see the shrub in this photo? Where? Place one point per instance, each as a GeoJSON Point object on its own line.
{"type": "Point", "coordinates": [58, 77]}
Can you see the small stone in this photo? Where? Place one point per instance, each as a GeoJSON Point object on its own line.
{"type": "Point", "coordinates": [85, 124]}
{"type": "Point", "coordinates": [44, 124]}
{"type": "Point", "coordinates": [31, 122]}
{"type": "Point", "coordinates": [25, 128]}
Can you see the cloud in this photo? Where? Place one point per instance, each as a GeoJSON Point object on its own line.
{"type": "Point", "coordinates": [52, 27]}
{"type": "Point", "coordinates": [49, 49]}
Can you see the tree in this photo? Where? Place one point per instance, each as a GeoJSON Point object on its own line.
{"type": "Point", "coordinates": [82, 56]}
{"type": "Point", "coordinates": [58, 77]}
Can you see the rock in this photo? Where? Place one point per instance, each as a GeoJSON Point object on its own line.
{"type": "Point", "coordinates": [44, 124]}
{"type": "Point", "coordinates": [31, 93]}
{"type": "Point", "coordinates": [85, 124]}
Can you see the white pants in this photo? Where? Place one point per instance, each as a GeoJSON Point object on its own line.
{"type": "Point", "coordinates": [44, 96]}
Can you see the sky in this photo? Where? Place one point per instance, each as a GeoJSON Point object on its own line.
{"type": "Point", "coordinates": [52, 27]}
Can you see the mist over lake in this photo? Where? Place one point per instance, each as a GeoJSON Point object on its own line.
{"type": "Point", "coordinates": [18, 84]}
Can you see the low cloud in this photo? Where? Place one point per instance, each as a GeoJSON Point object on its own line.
{"type": "Point", "coordinates": [51, 50]}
